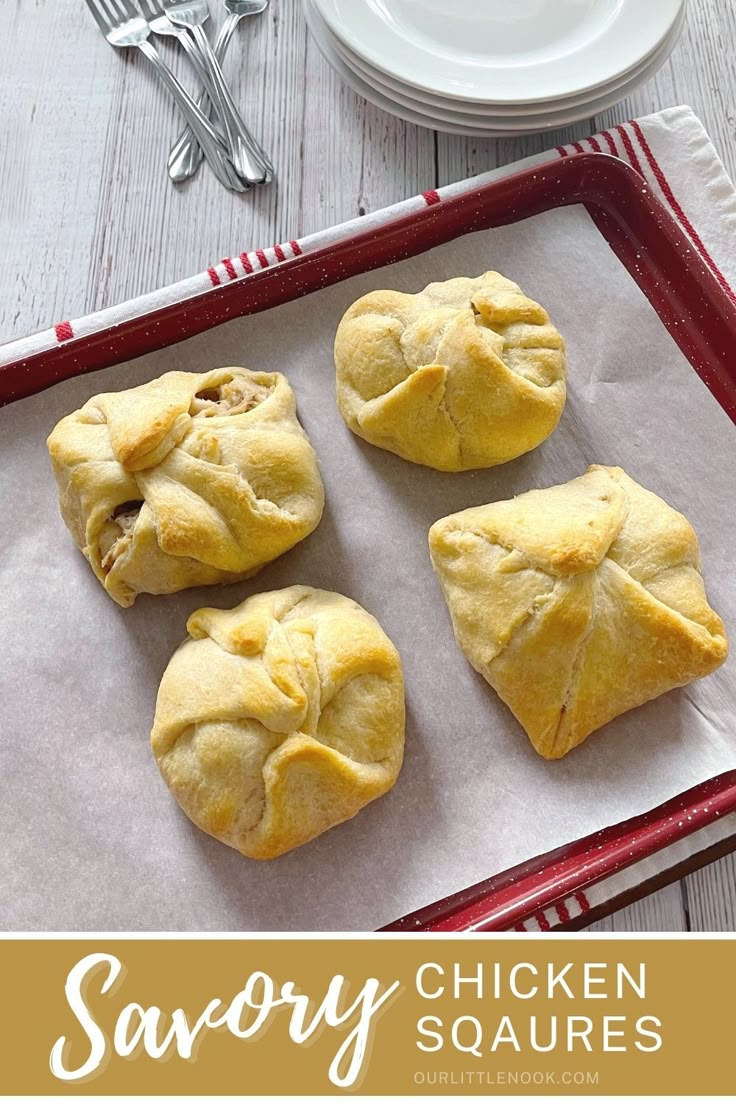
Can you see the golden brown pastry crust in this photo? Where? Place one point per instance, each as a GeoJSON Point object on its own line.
{"type": "Point", "coordinates": [578, 602]}
{"type": "Point", "coordinates": [193, 478]}
{"type": "Point", "coordinates": [468, 373]}
{"type": "Point", "coordinates": [280, 718]}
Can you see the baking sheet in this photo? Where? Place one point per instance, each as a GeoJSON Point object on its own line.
{"type": "Point", "coordinates": [92, 840]}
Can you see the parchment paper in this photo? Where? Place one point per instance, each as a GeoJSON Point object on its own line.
{"type": "Point", "coordinates": [91, 838]}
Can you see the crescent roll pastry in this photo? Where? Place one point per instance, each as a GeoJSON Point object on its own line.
{"type": "Point", "coordinates": [190, 479]}
{"type": "Point", "coordinates": [280, 718]}
{"type": "Point", "coordinates": [578, 602]}
{"type": "Point", "coordinates": [468, 373]}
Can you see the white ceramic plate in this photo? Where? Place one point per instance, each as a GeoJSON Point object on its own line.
{"type": "Point", "coordinates": [351, 78]}
{"type": "Point", "coordinates": [390, 85]}
{"type": "Point", "coordinates": [444, 111]}
{"type": "Point", "coordinates": [502, 51]}
{"type": "Point", "coordinates": [470, 126]}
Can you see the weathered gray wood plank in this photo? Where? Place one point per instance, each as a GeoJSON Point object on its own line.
{"type": "Point", "coordinates": [701, 73]}
{"type": "Point", "coordinates": [711, 896]}
{"type": "Point", "coordinates": [661, 911]}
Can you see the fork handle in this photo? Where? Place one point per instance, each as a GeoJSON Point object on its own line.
{"type": "Point", "coordinates": [248, 158]}
{"type": "Point", "coordinates": [186, 153]}
{"type": "Point", "coordinates": [197, 120]}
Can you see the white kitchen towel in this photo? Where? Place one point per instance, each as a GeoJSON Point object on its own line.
{"type": "Point", "coordinates": [673, 152]}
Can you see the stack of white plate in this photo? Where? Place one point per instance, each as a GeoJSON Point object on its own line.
{"type": "Point", "coordinates": [495, 67]}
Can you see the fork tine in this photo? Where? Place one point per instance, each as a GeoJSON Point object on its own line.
{"type": "Point", "coordinates": [114, 10]}
{"type": "Point", "coordinates": [110, 12]}
{"type": "Point", "coordinates": [128, 9]}
{"type": "Point", "coordinates": [100, 15]}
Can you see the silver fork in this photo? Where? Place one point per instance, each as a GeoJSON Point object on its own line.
{"type": "Point", "coordinates": [124, 26]}
{"type": "Point", "coordinates": [186, 154]}
{"type": "Point", "coordinates": [249, 159]}
{"type": "Point", "coordinates": [159, 22]}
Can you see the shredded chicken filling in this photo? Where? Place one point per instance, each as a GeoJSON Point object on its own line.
{"type": "Point", "coordinates": [235, 396]}
{"type": "Point", "coordinates": [116, 535]}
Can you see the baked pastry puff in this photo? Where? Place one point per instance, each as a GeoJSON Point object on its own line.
{"type": "Point", "coordinates": [280, 718]}
{"type": "Point", "coordinates": [578, 602]}
{"type": "Point", "coordinates": [193, 478]}
{"type": "Point", "coordinates": [468, 373]}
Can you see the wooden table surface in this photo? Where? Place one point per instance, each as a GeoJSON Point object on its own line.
{"type": "Point", "coordinates": [88, 216]}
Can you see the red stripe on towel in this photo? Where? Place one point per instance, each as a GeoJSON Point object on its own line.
{"type": "Point", "coordinates": [671, 199]}
{"type": "Point", "coordinates": [229, 268]}
{"type": "Point", "coordinates": [214, 278]}
{"type": "Point", "coordinates": [431, 197]}
{"type": "Point", "coordinates": [582, 900]}
{"type": "Point", "coordinates": [562, 912]}
{"type": "Point", "coordinates": [262, 258]}
{"type": "Point", "coordinates": [246, 263]}
{"type": "Point", "coordinates": [630, 151]}
{"type": "Point", "coordinates": [611, 144]}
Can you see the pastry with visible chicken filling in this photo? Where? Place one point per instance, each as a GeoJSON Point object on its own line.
{"type": "Point", "coordinates": [191, 479]}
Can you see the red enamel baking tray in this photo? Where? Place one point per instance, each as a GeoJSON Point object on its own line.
{"type": "Point", "coordinates": [698, 310]}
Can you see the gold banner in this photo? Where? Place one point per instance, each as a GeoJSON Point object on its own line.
{"type": "Point", "coordinates": [423, 1016]}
